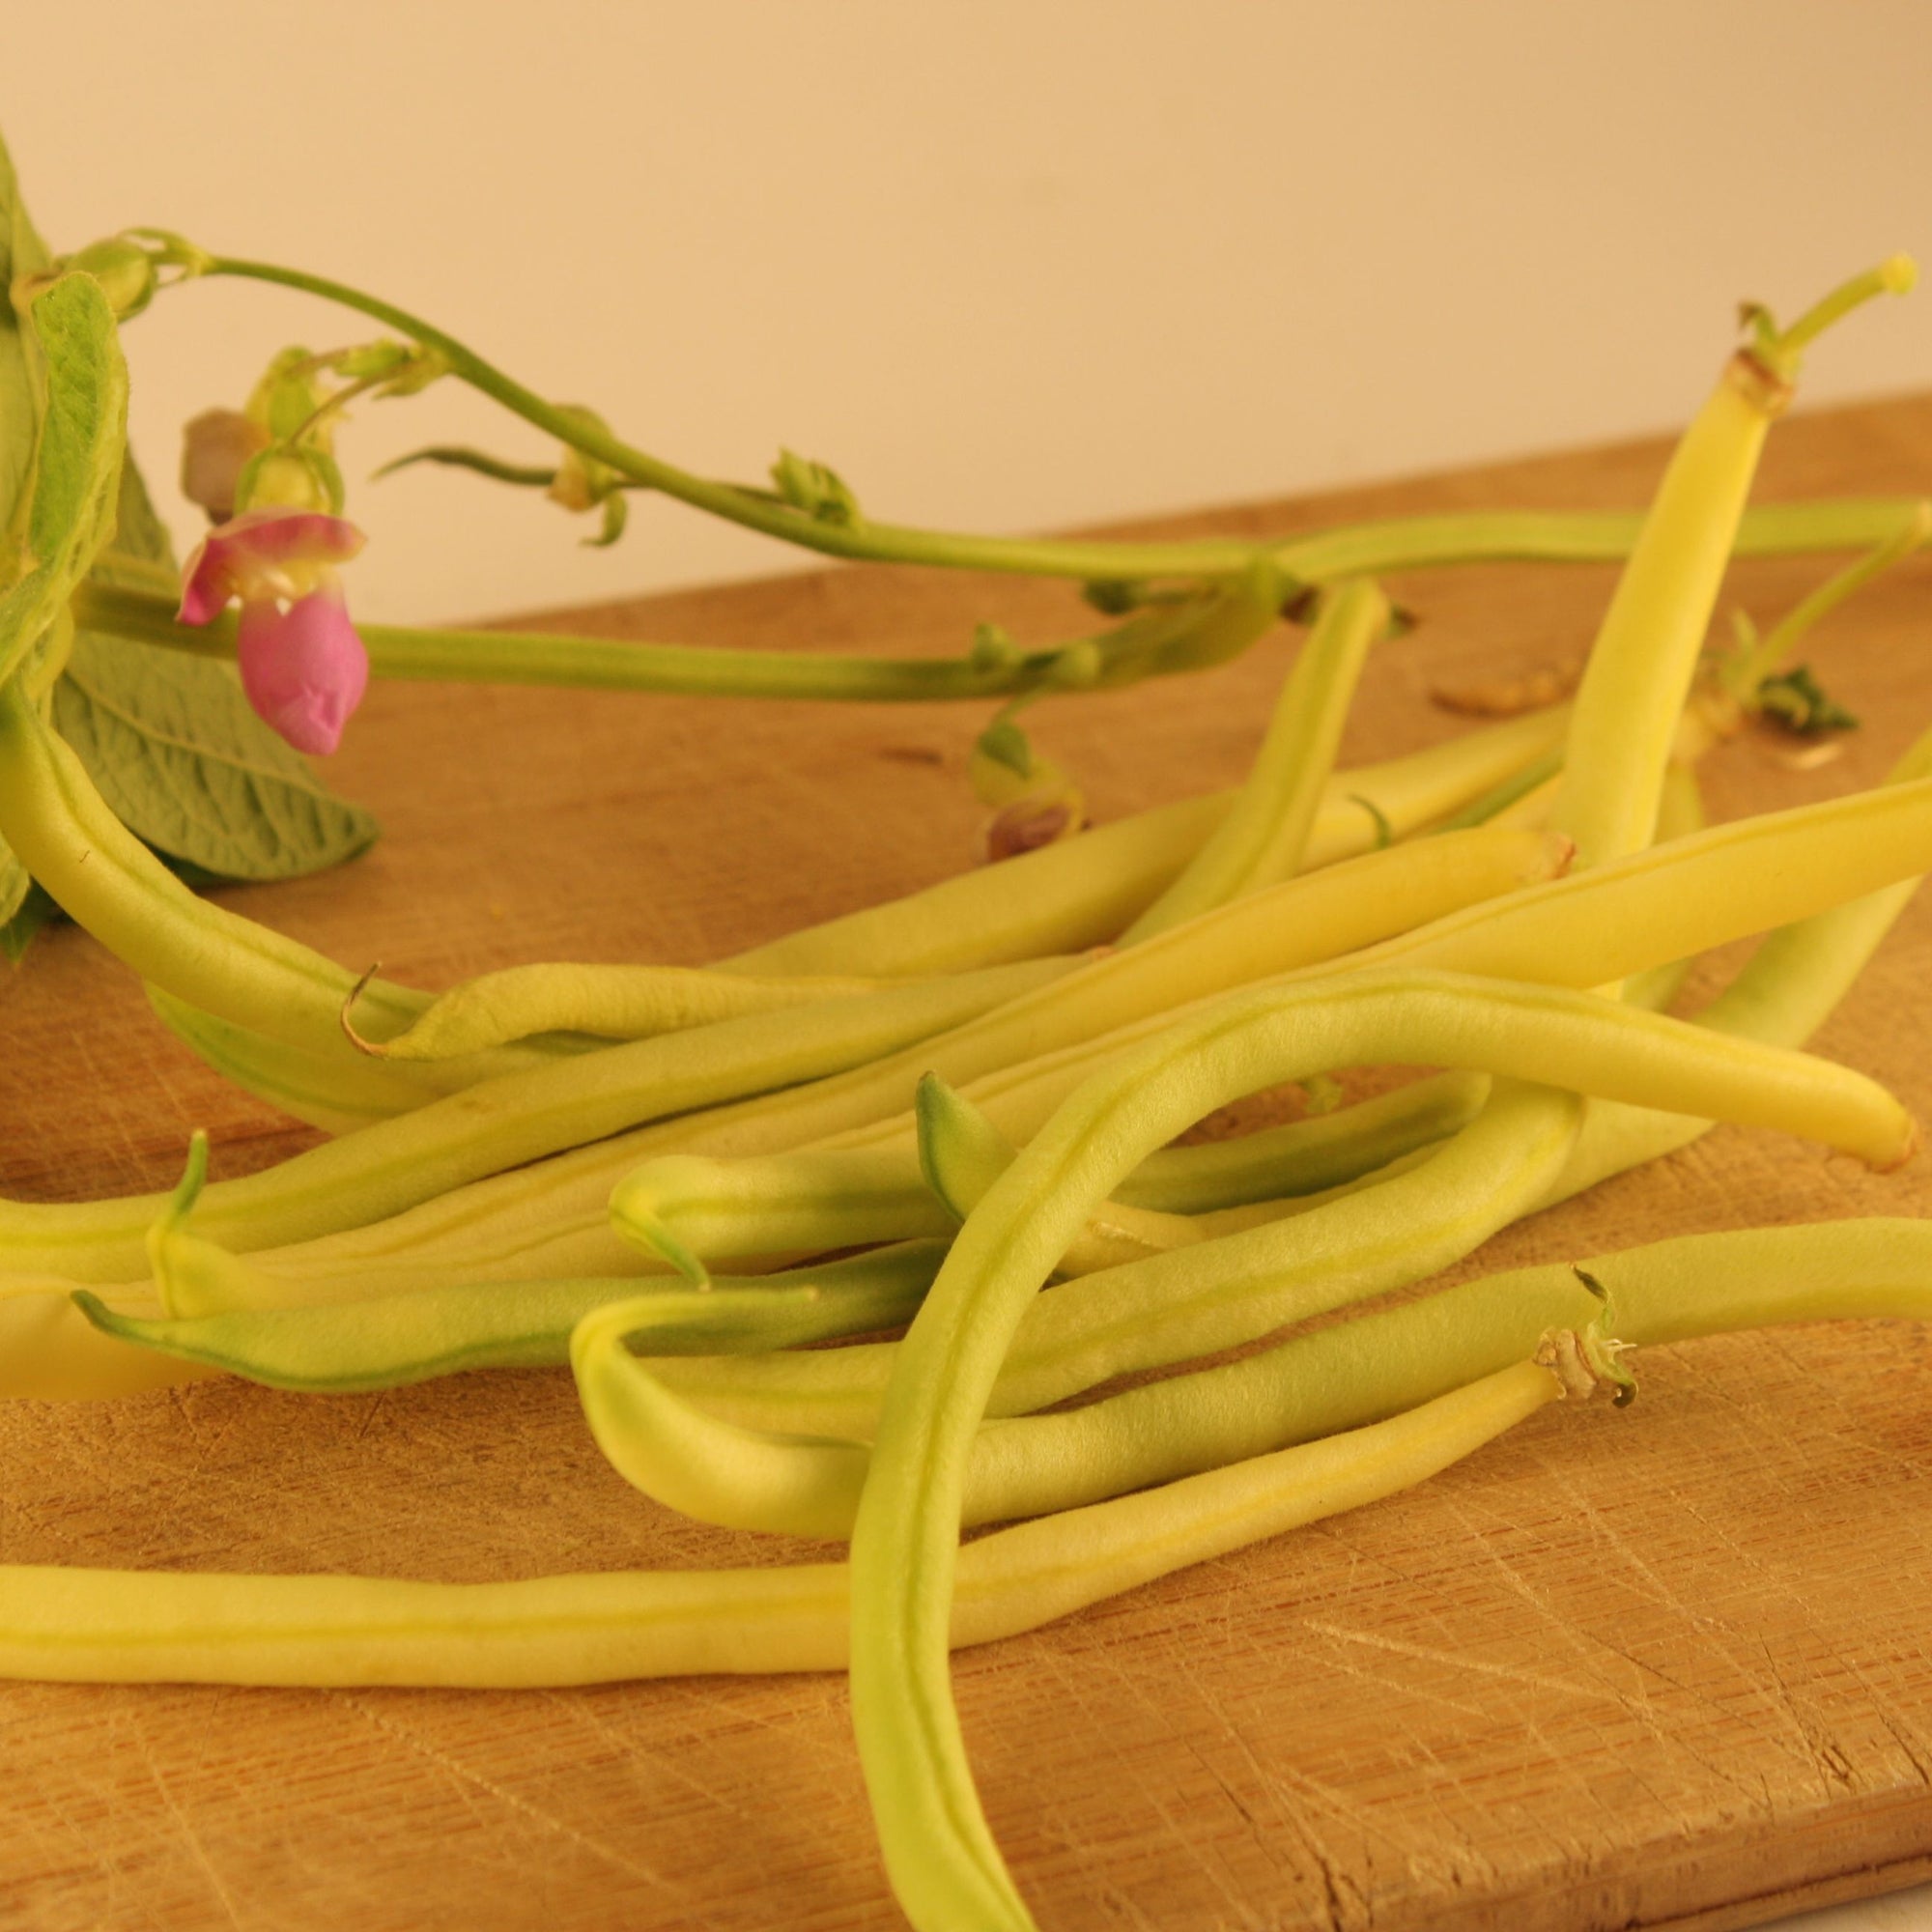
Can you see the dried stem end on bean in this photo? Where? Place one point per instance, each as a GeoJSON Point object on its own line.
{"type": "Point", "coordinates": [1588, 1361]}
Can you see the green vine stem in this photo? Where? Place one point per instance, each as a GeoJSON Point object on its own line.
{"type": "Point", "coordinates": [1361, 550]}
{"type": "Point", "coordinates": [519, 657]}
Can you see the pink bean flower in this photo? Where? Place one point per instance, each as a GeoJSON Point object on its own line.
{"type": "Point", "coordinates": [302, 666]}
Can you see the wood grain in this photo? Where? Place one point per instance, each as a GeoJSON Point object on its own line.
{"type": "Point", "coordinates": [1663, 1668]}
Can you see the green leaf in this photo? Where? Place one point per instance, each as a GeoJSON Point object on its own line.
{"type": "Point", "coordinates": [187, 765]}
{"type": "Point", "coordinates": [34, 910]}
{"type": "Point", "coordinates": [69, 506]}
{"type": "Point", "coordinates": [168, 738]}
{"type": "Point", "coordinates": [22, 252]}
{"type": "Point", "coordinates": [1798, 703]}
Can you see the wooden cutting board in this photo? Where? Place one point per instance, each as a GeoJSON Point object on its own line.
{"type": "Point", "coordinates": [1669, 1666]}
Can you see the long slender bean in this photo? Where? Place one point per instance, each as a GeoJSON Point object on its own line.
{"type": "Point", "coordinates": [397, 1163]}
{"type": "Point", "coordinates": [1383, 1362]}
{"type": "Point", "coordinates": [608, 1001]}
{"type": "Point", "coordinates": [146, 1626]}
{"type": "Point", "coordinates": [689, 1210]}
{"type": "Point", "coordinates": [56, 1356]}
{"type": "Point", "coordinates": [551, 1219]}
{"type": "Point", "coordinates": [411, 1338]}
{"type": "Point", "coordinates": [1264, 836]}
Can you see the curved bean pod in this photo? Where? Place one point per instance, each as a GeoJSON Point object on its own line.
{"type": "Point", "coordinates": [905, 1539]}
{"type": "Point", "coordinates": [690, 1461]}
{"type": "Point", "coordinates": [108, 882]}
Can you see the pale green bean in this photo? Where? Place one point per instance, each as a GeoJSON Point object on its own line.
{"type": "Point", "coordinates": [397, 1163]}
{"type": "Point", "coordinates": [148, 1626]}
{"type": "Point", "coordinates": [1264, 836]}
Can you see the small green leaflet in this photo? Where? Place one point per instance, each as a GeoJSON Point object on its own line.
{"type": "Point", "coordinates": [176, 751]}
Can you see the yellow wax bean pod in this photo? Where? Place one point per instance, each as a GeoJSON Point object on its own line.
{"type": "Point", "coordinates": [1264, 836]}
{"type": "Point", "coordinates": [1067, 897]}
{"type": "Point", "coordinates": [550, 1218]}
{"type": "Point", "coordinates": [1351, 1372]}
{"type": "Point", "coordinates": [62, 830]}
{"type": "Point", "coordinates": [1170, 1307]}
{"type": "Point", "coordinates": [329, 1090]}
{"type": "Point", "coordinates": [1672, 900]}
{"type": "Point", "coordinates": [961, 1154]}
{"type": "Point", "coordinates": [442, 1331]}
{"type": "Point", "coordinates": [1244, 1286]}
{"type": "Point", "coordinates": [1647, 647]}
{"type": "Point", "coordinates": [146, 1626]}
{"type": "Point", "coordinates": [90, 1625]}
{"type": "Point", "coordinates": [690, 1461]}
{"type": "Point", "coordinates": [687, 1209]}
{"type": "Point", "coordinates": [1344, 1375]}
{"type": "Point", "coordinates": [501, 1123]}
{"type": "Point", "coordinates": [905, 1540]}
{"type": "Point", "coordinates": [1138, 1316]}
{"type": "Point", "coordinates": [385, 1168]}
{"type": "Point", "coordinates": [608, 1001]}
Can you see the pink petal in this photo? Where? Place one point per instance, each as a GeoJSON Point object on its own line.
{"type": "Point", "coordinates": [260, 553]}
{"type": "Point", "coordinates": [304, 668]}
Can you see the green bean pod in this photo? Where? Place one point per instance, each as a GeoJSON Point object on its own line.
{"type": "Point", "coordinates": [524, 1325]}
{"type": "Point", "coordinates": [713, 1471]}
{"type": "Point", "coordinates": [1264, 836]}
{"type": "Point", "coordinates": [1067, 897]}
{"type": "Point", "coordinates": [608, 1001]}
{"type": "Point", "coordinates": [501, 1123]}
{"type": "Point", "coordinates": [107, 881]}
{"type": "Point", "coordinates": [145, 1626]}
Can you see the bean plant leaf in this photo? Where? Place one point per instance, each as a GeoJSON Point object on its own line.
{"type": "Point", "coordinates": [174, 747]}
{"type": "Point", "coordinates": [65, 519]}
{"type": "Point", "coordinates": [22, 252]}
{"type": "Point", "coordinates": [35, 910]}
{"type": "Point", "coordinates": [168, 738]}
{"type": "Point", "coordinates": [64, 393]}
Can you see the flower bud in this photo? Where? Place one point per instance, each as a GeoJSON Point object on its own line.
{"type": "Point", "coordinates": [216, 447]}
{"type": "Point", "coordinates": [300, 478]}
{"type": "Point", "coordinates": [125, 270]}
{"type": "Point", "coordinates": [289, 395]}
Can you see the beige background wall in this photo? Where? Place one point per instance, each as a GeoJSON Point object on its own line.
{"type": "Point", "coordinates": [1005, 265]}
